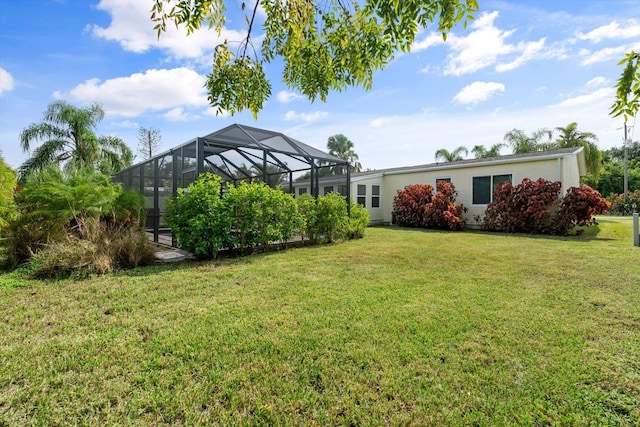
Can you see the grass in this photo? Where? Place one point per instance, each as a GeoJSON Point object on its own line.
{"type": "Point", "coordinates": [403, 327]}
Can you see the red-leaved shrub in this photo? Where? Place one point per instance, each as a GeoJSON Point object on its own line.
{"type": "Point", "coordinates": [409, 203]}
{"type": "Point", "coordinates": [442, 212]}
{"type": "Point", "coordinates": [417, 206]}
{"type": "Point", "coordinates": [535, 207]}
{"type": "Point", "coordinates": [577, 208]}
{"type": "Point", "coordinates": [526, 208]}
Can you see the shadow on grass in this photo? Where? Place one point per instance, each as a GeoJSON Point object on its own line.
{"type": "Point", "coordinates": [579, 234]}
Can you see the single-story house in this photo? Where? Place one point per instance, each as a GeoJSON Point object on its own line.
{"type": "Point", "coordinates": [474, 179]}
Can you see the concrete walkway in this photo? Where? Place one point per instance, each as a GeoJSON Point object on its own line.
{"type": "Point", "coordinates": [167, 255]}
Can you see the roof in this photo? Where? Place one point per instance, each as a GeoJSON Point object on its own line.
{"type": "Point", "coordinates": [236, 135]}
{"type": "Point", "coordinates": [509, 158]}
{"type": "Point", "coordinates": [239, 151]}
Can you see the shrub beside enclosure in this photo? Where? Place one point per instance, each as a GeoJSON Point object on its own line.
{"type": "Point", "coordinates": [254, 216]}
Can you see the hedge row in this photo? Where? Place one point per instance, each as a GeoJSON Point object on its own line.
{"type": "Point", "coordinates": [205, 219]}
{"type": "Point", "coordinates": [536, 207]}
{"type": "Point", "coordinates": [529, 207]}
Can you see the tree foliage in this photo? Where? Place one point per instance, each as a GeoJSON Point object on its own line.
{"type": "Point", "coordinates": [521, 143]}
{"type": "Point", "coordinates": [570, 136]}
{"type": "Point", "coordinates": [451, 156]}
{"type": "Point", "coordinates": [342, 147]}
{"type": "Point", "coordinates": [324, 45]}
{"type": "Point", "coordinates": [627, 100]}
{"type": "Point", "coordinates": [481, 152]}
{"type": "Point", "coordinates": [7, 189]}
{"type": "Point", "coordinates": [148, 142]}
{"type": "Point", "coordinates": [67, 135]}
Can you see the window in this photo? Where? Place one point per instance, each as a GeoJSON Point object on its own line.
{"type": "Point", "coordinates": [448, 180]}
{"type": "Point", "coordinates": [342, 190]}
{"type": "Point", "coordinates": [483, 187]}
{"type": "Point", "coordinates": [362, 195]}
{"type": "Point", "coordinates": [328, 189]}
{"type": "Point", "coordinates": [302, 190]}
{"type": "Point", "coordinates": [375, 196]}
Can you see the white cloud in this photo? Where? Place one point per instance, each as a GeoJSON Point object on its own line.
{"type": "Point", "coordinates": [432, 39]}
{"type": "Point", "coordinates": [477, 92]}
{"type": "Point", "coordinates": [154, 90]}
{"type": "Point", "coordinates": [6, 81]}
{"type": "Point", "coordinates": [380, 122]}
{"type": "Point", "coordinates": [131, 26]}
{"type": "Point", "coordinates": [177, 115]}
{"type": "Point", "coordinates": [604, 93]}
{"type": "Point", "coordinates": [305, 117]}
{"type": "Point", "coordinates": [529, 51]}
{"type": "Point", "coordinates": [629, 29]}
{"type": "Point", "coordinates": [285, 96]}
{"type": "Point", "coordinates": [597, 81]}
{"type": "Point", "coordinates": [127, 124]}
{"type": "Point", "coordinates": [479, 49]}
{"type": "Point", "coordinates": [607, 54]}
{"type": "Point", "coordinates": [485, 46]}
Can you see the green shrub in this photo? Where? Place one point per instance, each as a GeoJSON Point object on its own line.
{"type": "Point", "coordinates": [331, 217]}
{"type": "Point", "coordinates": [197, 218]}
{"type": "Point", "coordinates": [80, 209]}
{"type": "Point", "coordinates": [357, 222]}
{"type": "Point", "coordinates": [261, 216]}
{"type": "Point", "coordinates": [287, 215]}
{"type": "Point", "coordinates": [308, 210]}
{"type": "Point", "coordinates": [8, 210]}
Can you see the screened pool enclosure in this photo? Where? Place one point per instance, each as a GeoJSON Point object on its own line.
{"type": "Point", "coordinates": [236, 153]}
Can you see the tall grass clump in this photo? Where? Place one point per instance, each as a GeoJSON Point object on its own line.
{"type": "Point", "coordinates": [76, 223]}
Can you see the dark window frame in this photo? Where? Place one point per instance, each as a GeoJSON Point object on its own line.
{"type": "Point", "coordinates": [482, 184]}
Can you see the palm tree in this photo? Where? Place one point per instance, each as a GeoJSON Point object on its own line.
{"type": "Point", "coordinates": [69, 138]}
{"type": "Point", "coordinates": [340, 146]}
{"type": "Point", "coordinates": [570, 136]}
{"type": "Point", "coordinates": [480, 152]}
{"type": "Point", "coordinates": [452, 156]}
{"type": "Point", "coordinates": [520, 142]}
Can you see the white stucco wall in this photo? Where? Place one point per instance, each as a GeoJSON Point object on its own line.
{"type": "Point", "coordinates": [553, 169]}
{"type": "Point", "coordinates": [565, 168]}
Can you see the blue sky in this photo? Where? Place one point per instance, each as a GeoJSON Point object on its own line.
{"type": "Point", "coordinates": [521, 64]}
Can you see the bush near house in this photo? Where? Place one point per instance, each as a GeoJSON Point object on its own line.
{"type": "Point", "coordinates": [535, 207]}
{"type": "Point", "coordinates": [409, 204]}
{"type": "Point", "coordinates": [442, 212]}
{"type": "Point", "coordinates": [417, 206]}
{"type": "Point", "coordinates": [253, 215]}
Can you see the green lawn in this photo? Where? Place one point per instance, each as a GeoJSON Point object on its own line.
{"type": "Point", "coordinates": [403, 327]}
